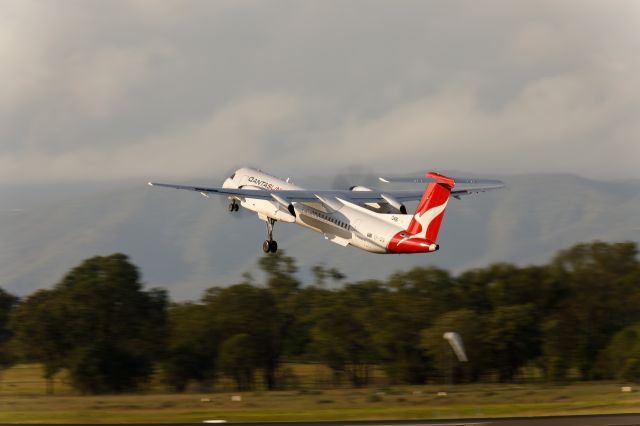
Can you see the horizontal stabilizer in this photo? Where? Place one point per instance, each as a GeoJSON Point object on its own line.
{"type": "Point", "coordinates": [434, 177]}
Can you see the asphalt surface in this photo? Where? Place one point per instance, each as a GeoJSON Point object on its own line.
{"type": "Point", "coordinates": [592, 420]}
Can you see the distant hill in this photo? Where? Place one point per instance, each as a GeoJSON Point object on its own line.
{"type": "Point", "coordinates": [188, 243]}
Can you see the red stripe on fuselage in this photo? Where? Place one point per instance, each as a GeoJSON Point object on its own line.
{"type": "Point", "coordinates": [401, 243]}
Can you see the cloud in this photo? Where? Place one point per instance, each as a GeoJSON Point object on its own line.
{"type": "Point", "coordinates": [102, 81]}
{"type": "Point", "coordinates": [227, 137]}
{"type": "Point", "coordinates": [107, 90]}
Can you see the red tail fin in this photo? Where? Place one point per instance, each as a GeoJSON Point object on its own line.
{"type": "Point", "coordinates": [430, 212]}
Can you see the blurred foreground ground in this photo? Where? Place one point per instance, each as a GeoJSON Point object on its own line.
{"type": "Point", "coordinates": [22, 400]}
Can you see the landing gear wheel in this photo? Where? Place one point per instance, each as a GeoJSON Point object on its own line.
{"type": "Point", "coordinates": [233, 206]}
{"type": "Point", "coordinates": [270, 246]}
{"type": "Point", "coordinates": [236, 207]}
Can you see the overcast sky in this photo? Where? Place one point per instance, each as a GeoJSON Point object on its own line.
{"type": "Point", "coordinates": [105, 90]}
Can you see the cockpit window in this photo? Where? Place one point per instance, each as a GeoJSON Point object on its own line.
{"type": "Point", "coordinates": [232, 176]}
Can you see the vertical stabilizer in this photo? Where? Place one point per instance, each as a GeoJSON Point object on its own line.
{"type": "Point", "coordinates": [422, 232]}
{"type": "Point", "coordinates": [430, 212]}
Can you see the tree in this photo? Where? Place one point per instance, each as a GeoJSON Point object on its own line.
{"type": "Point", "coordinates": [39, 333]}
{"type": "Point", "coordinates": [620, 359]}
{"type": "Point", "coordinates": [191, 347]}
{"type": "Point", "coordinates": [321, 273]}
{"type": "Point", "coordinates": [98, 323]}
{"type": "Point", "coordinates": [413, 301]}
{"type": "Point", "coordinates": [238, 359]}
{"type": "Point", "coordinates": [341, 341]}
{"type": "Point", "coordinates": [7, 304]}
{"type": "Point", "coordinates": [280, 270]}
{"type": "Point", "coordinates": [470, 326]}
{"type": "Point", "coordinates": [245, 309]}
{"type": "Point", "coordinates": [598, 279]}
{"type": "Point", "coordinates": [512, 334]}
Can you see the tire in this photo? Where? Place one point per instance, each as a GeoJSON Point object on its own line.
{"type": "Point", "coordinates": [266, 246]}
{"type": "Point", "coordinates": [273, 247]}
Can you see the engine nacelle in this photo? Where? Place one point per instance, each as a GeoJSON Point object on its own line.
{"type": "Point", "coordinates": [374, 207]}
{"type": "Point", "coordinates": [267, 208]}
{"type": "Point", "coordinates": [394, 203]}
{"type": "Point", "coordinates": [391, 204]}
{"type": "Point", "coordinates": [285, 203]}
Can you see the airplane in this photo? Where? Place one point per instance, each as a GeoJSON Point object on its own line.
{"type": "Point", "coordinates": [370, 219]}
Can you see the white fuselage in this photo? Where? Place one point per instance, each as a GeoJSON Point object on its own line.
{"type": "Point", "coordinates": [340, 221]}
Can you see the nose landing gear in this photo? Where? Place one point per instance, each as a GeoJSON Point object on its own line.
{"type": "Point", "coordinates": [234, 206]}
{"type": "Point", "coordinates": [270, 246]}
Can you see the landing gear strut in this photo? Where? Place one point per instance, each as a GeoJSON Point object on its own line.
{"type": "Point", "coordinates": [234, 206]}
{"type": "Point", "coordinates": [270, 246]}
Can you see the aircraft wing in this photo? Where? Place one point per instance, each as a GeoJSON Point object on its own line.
{"type": "Point", "coordinates": [299, 195]}
{"type": "Point", "coordinates": [304, 195]}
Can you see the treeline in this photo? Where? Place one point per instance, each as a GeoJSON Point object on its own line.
{"type": "Point", "coordinates": [577, 317]}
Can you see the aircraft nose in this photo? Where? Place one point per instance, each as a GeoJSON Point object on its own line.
{"type": "Point", "coordinates": [228, 183]}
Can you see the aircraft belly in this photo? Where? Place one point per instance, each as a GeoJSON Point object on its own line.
{"type": "Point", "coordinates": [367, 245]}
{"type": "Point", "coordinates": [322, 227]}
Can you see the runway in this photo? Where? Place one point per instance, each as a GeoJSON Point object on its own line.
{"type": "Point", "coordinates": [582, 420]}
{"type": "Point", "coordinates": [588, 420]}
{"type": "Point", "coordinates": [585, 420]}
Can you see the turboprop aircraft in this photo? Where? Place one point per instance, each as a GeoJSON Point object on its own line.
{"type": "Point", "coordinates": [371, 219]}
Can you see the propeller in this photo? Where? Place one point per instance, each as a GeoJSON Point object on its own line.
{"type": "Point", "coordinates": [354, 175]}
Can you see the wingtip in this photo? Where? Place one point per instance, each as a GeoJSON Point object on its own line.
{"type": "Point", "coordinates": [150, 183]}
{"type": "Point", "coordinates": [383, 180]}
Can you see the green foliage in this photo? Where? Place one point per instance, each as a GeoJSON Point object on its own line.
{"type": "Point", "coordinates": [413, 301]}
{"type": "Point", "coordinates": [341, 341]}
{"type": "Point", "coordinates": [7, 304]}
{"type": "Point", "coordinates": [280, 270]}
{"type": "Point", "coordinates": [631, 370]}
{"type": "Point", "coordinates": [321, 273]}
{"type": "Point", "coordinates": [620, 359]}
{"type": "Point", "coordinates": [599, 284]}
{"type": "Point", "coordinates": [470, 326]}
{"type": "Point", "coordinates": [577, 315]}
{"type": "Point", "coordinates": [98, 323]}
{"type": "Point", "coordinates": [243, 309]}
{"type": "Point", "coordinates": [105, 367]}
{"type": "Point", "coordinates": [238, 359]}
{"type": "Point", "coordinates": [39, 334]}
{"type": "Point", "coordinates": [513, 338]}
{"type": "Point", "coordinates": [191, 346]}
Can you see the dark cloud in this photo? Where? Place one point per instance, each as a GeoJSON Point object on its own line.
{"type": "Point", "coordinates": [140, 89]}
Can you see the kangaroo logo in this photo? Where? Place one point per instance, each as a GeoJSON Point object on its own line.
{"type": "Point", "coordinates": [424, 219]}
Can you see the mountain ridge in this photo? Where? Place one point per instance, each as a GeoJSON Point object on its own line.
{"type": "Point", "coordinates": [188, 243]}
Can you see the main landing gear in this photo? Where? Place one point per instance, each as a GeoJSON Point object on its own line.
{"type": "Point", "coordinates": [270, 246]}
{"type": "Point", "coordinates": [234, 206]}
